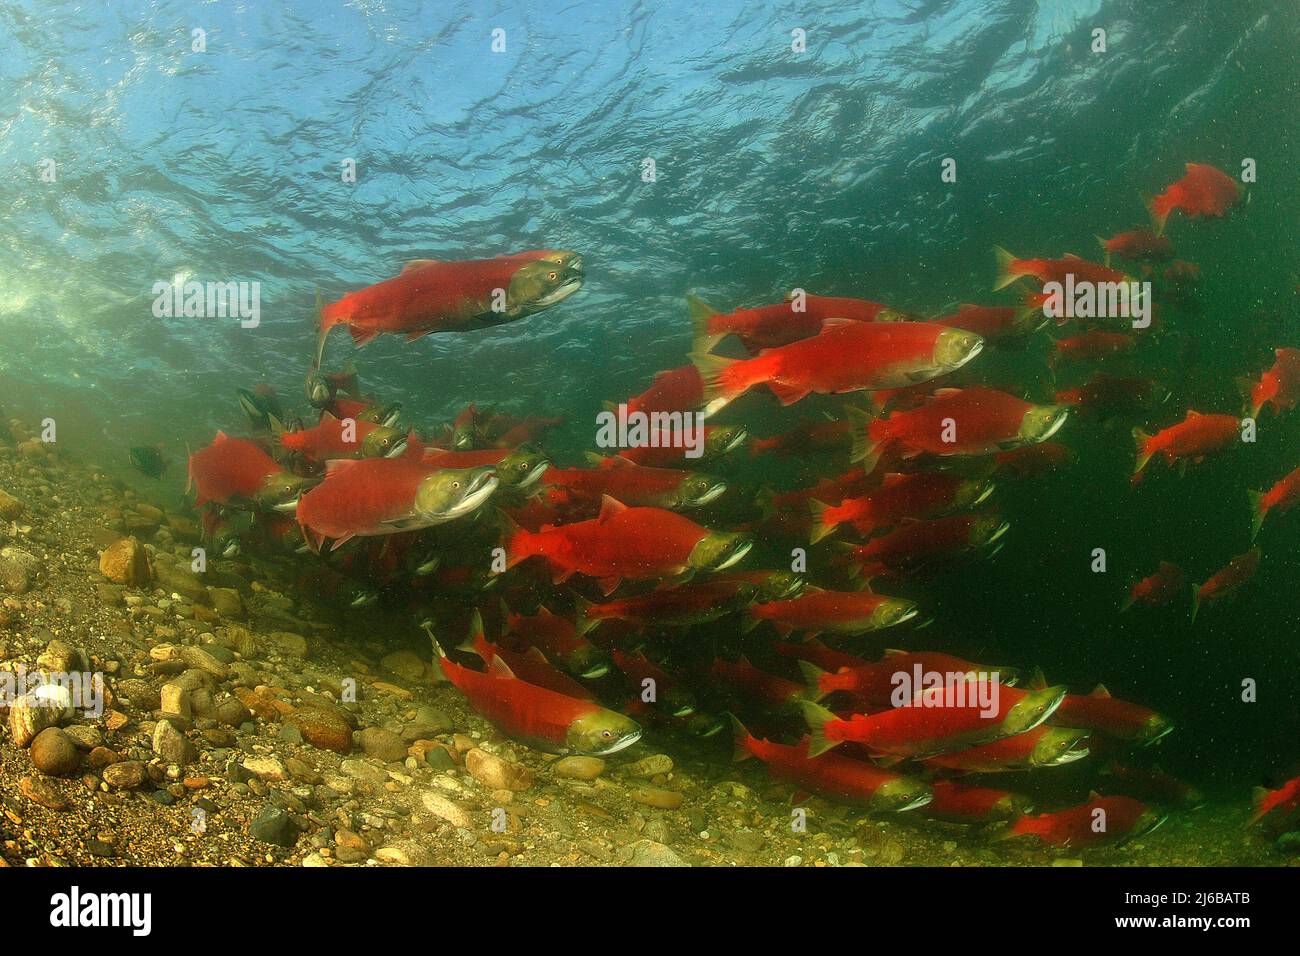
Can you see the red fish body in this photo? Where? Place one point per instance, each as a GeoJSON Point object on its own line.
{"type": "Point", "coordinates": [1193, 438]}
{"type": "Point", "coordinates": [969, 710]}
{"type": "Point", "coordinates": [1278, 809]}
{"type": "Point", "coordinates": [626, 481]}
{"type": "Point", "coordinates": [1203, 191]}
{"type": "Point", "coordinates": [798, 318]}
{"type": "Point", "coordinates": [1053, 270]}
{"type": "Point", "coordinates": [1160, 587]}
{"type": "Point", "coordinates": [1228, 580]}
{"type": "Point", "coordinates": [756, 685]}
{"type": "Point", "coordinates": [559, 639]}
{"type": "Point", "coordinates": [1111, 716]}
{"type": "Point", "coordinates": [623, 542]}
{"type": "Point", "coordinates": [812, 437]}
{"type": "Point", "coordinates": [532, 668]}
{"type": "Point", "coordinates": [358, 499]}
{"type": "Point", "coordinates": [1281, 497]}
{"type": "Point", "coordinates": [833, 776]}
{"type": "Point", "coordinates": [1104, 395]}
{"type": "Point", "coordinates": [1099, 822]}
{"type": "Point", "coordinates": [675, 607]}
{"type": "Point", "coordinates": [900, 497]}
{"type": "Point", "coordinates": [676, 390]}
{"type": "Point", "coordinates": [539, 717]}
{"type": "Point", "coordinates": [839, 612]}
{"type": "Point", "coordinates": [871, 684]}
{"type": "Point", "coordinates": [230, 470]}
{"type": "Point", "coordinates": [846, 357]}
{"type": "Point", "coordinates": [1030, 461]}
{"type": "Point", "coordinates": [916, 542]}
{"type": "Point", "coordinates": [1043, 746]}
{"type": "Point", "coordinates": [1279, 387]}
{"type": "Point", "coordinates": [956, 803]}
{"type": "Point", "coordinates": [994, 323]}
{"type": "Point", "coordinates": [1138, 245]}
{"type": "Point", "coordinates": [965, 421]}
{"type": "Point", "coordinates": [332, 438]}
{"type": "Point", "coordinates": [1090, 346]}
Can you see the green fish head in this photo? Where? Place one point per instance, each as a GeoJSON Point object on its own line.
{"type": "Point", "coordinates": [893, 611]}
{"type": "Point", "coordinates": [540, 285]}
{"type": "Point", "coordinates": [522, 469]}
{"type": "Point", "coordinates": [451, 492]}
{"type": "Point", "coordinates": [987, 530]}
{"type": "Point", "coordinates": [704, 726]}
{"type": "Point", "coordinates": [900, 794]}
{"type": "Point", "coordinates": [381, 414]}
{"type": "Point", "coordinates": [281, 491]}
{"type": "Point", "coordinates": [1156, 726]}
{"type": "Point", "coordinates": [1059, 745]}
{"type": "Point", "coordinates": [697, 490]}
{"type": "Point", "coordinates": [724, 439]}
{"type": "Point", "coordinates": [600, 732]}
{"type": "Point", "coordinates": [588, 662]}
{"type": "Point", "coordinates": [383, 442]}
{"type": "Point", "coordinates": [1041, 422]}
{"type": "Point", "coordinates": [719, 549]}
{"type": "Point", "coordinates": [971, 493]}
{"type": "Point", "coordinates": [678, 701]}
{"type": "Point", "coordinates": [1032, 709]}
{"type": "Point", "coordinates": [781, 585]}
{"type": "Point", "coordinates": [319, 391]}
{"type": "Point", "coordinates": [955, 347]}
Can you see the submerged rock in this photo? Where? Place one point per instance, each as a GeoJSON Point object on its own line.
{"type": "Point", "coordinates": [17, 570]}
{"type": "Point", "coordinates": [126, 562]}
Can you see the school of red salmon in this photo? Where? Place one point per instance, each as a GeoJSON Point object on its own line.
{"type": "Point", "coordinates": [578, 605]}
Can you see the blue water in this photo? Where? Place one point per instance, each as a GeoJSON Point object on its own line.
{"type": "Point", "coordinates": [774, 169]}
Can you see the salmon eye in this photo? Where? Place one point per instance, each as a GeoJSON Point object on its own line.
{"type": "Point", "coordinates": [552, 276]}
{"type": "Point", "coordinates": [455, 485]}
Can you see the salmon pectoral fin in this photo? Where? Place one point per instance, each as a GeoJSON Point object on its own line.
{"type": "Point", "coordinates": [361, 337]}
{"type": "Point", "coordinates": [788, 394]}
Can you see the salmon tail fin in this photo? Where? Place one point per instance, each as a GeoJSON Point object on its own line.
{"type": "Point", "coordinates": [817, 717]}
{"type": "Point", "coordinates": [765, 499]}
{"type": "Point", "coordinates": [509, 533]}
{"type": "Point", "coordinates": [702, 335]}
{"type": "Point", "coordinates": [323, 325]}
{"type": "Point", "coordinates": [812, 676]}
{"type": "Point", "coordinates": [1105, 252]}
{"type": "Point", "coordinates": [865, 449]}
{"type": "Point", "coordinates": [1005, 276]}
{"type": "Point", "coordinates": [1142, 440]}
{"type": "Point", "coordinates": [583, 622]}
{"type": "Point", "coordinates": [1004, 830]}
{"type": "Point", "coordinates": [741, 738]}
{"type": "Point", "coordinates": [1159, 208]}
{"type": "Point", "coordinates": [1128, 603]}
{"type": "Point", "coordinates": [1196, 602]}
{"type": "Point", "coordinates": [1257, 798]}
{"type": "Point", "coordinates": [821, 528]}
{"type": "Point", "coordinates": [1257, 512]}
{"type": "Point", "coordinates": [713, 369]}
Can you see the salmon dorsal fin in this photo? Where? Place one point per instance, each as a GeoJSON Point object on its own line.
{"type": "Point", "coordinates": [337, 466]}
{"type": "Point", "coordinates": [536, 655]}
{"type": "Point", "coordinates": [221, 436]}
{"type": "Point", "coordinates": [609, 507]}
{"type": "Point", "coordinates": [1100, 692]}
{"type": "Point", "coordinates": [500, 669]}
{"type": "Point", "coordinates": [411, 264]}
{"type": "Point", "coordinates": [1093, 796]}
{"type": "Point", "coordinates": [414, 450]}
{"type": "Point", "coordinates": [892, 478]}
{"type": "Point", "coordinates": [327, 416]}
{"type": "Point", "coordinates": [945, 392]}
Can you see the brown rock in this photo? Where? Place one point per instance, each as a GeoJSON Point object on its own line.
{"type": "Point", "coordinates": [53, 753]}
{"type": "Point", "coordinates": [126, 562]}
{"type": "Point", "coordinates": [42, 792]}
{"type": "Point", "coordinates": [10, 507]}
{"type": "Point", "coordinates": [326, 729]}
{"type": "Point", "coordinates": [495, 773]}
{"type": "Point", "coordinates": [125, 775]}
{"type": "Point", "coordinates": [382, 744]}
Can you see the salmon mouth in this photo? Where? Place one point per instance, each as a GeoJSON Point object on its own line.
{"type": "Point", "coordinates": [480, 490]}
{"type": "Point", "coordinates": [569, 286]}
{"type": "Point", "coordinates": [534, 475]}
{"type": "Point", "coordinates": [621, 744]}
{"type": "Point", "coordinates": [399, 446]}
{"type": "Point", "coordinates": [712, 494]}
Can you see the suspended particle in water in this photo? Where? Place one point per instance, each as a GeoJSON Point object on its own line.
{"type": "Point", "coordinates": [349, 173]}
{"type": "Point", "coordinates": [948, 170]}
{"type": "Point", "coordinates": [1098, 40]}
{"type": "Point", "coordinates": [199, 40]}
{"type": "Point", "coordinates": [199, 560]}
{"type": "Point", "coordinates": [1098, 560]}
